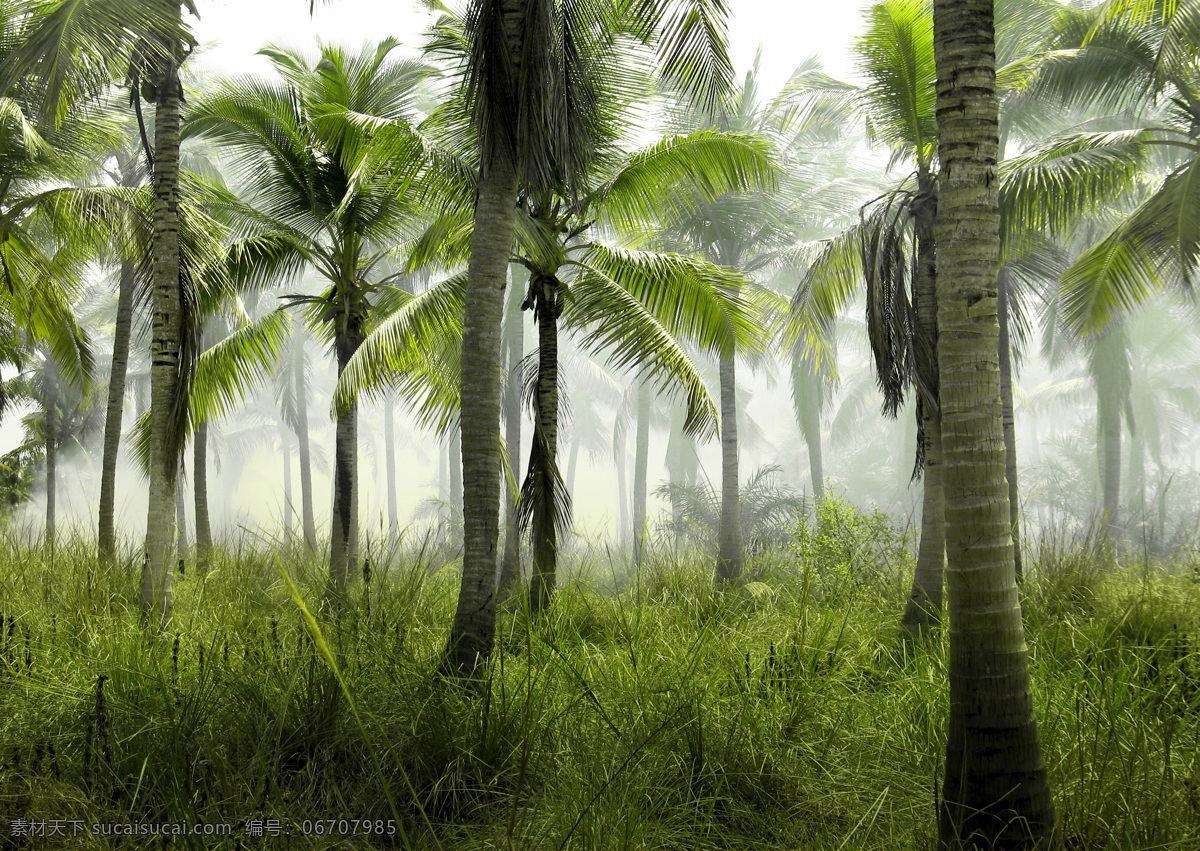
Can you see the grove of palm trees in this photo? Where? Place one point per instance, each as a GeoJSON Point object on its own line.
{"type": "Point", "coordinates": [534, 429]}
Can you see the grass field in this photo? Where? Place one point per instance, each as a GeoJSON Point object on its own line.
{"type": "Point", "coordinates": [644, 710]}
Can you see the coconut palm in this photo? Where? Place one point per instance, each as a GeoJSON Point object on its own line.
{"type": "Point", "coordinates": [304, 141]}
{"type": "Point", "coordinates": [996, 792]}
{"type": "Point", "coordinates": [522, 63]}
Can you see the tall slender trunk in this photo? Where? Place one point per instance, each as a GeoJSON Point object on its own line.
{"type": "Point", "coordinates": [180, 513]}
{"type": "Point", "coordinates": [454, 469]}
{"type": "Point", "coordinates": [514, 344]}
{"type": "Point", "coordinates": [342, 538]}
{"type": "Point", "coordinates": [1110, 371]}
{"type": "Point", "coordinates": [288, 531]}
{"type": "Point", "coordinates": [389, 460]}
{"type": "Point", "coordinates": [806, 397]}
{"type": "Point", "coordinates": [729, 536]}
{"type": "Point", "coordinates": [107, 542]}
{"type": "Point", "coordinates": [166, 366]}
{"type": "Point", "coordinates": [996, 793]}
{"type": "Point", "coordinates": [204, 543]}
{"type": "Point", "coordinates": [304, 447]}
{"type": "Point", "coordinates": [1003, 285]}
{"type": "Point", "coordinates": [922, 612]}
{"type": "Point", "coordinates": [50, 403]}
{"type": "Point", "coordinates": [641, 458]}
{"type": "Point", "coordinates": [573, 460]}
{"type": "Point", "coordinates": [473, 632]}
{"type": "Point", "coordinates": [543, 486]}
{"type": "Point", "coordinates": [619, 456]}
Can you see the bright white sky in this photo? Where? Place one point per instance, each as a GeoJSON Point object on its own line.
{"type": "Point", "coordinates": [789, 31]}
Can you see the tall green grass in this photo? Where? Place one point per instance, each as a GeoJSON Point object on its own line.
{"type": "Point", "coordinates": [666, 714]}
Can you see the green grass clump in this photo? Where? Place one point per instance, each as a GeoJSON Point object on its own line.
{"type": "Point", "coordinates": [668, 714]}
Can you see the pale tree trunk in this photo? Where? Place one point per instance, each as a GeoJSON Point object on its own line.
{"type": "Point", "coordinates": [514, 340]}
{"type": "Point", "coordinates": [572, 461]}
{"type": "Point", "coordinates": [996, 793]}
{"type": "Point", "coordinates": [50, 403]}
{"type": "Point", "coordinates": [165, 344]}
{"type": "Point", "coordinates": [806, 396]}
{"type": "Point", "coordinates": [543, 483]}
{"type": "Point", "coordinates": [1010, 422]}
{"type": "Point", "coordinates": [304, 446]}
{"type": "Point", "coordinates": [389, 460]}
{"type": "Point", "coordinates": [922, 612]}
{"type": "Point", "coordinates": [288, 532]}
{"type": "Point", "coordinates": [1110, 371]}
{"type": "Point", "coordinates": [641, 458]}
{"type": "Point", "coordinates": [454, 469]}
{"type": "Point", "coordinates": [112, 418]}
{"type": "Point", "coordinates": [473, 632]}
{"type": "Point", "coordinates": [682, 466]}
{"type": "Point", "coordinates": [204, 542]}
{"type": "Point", "coordinates": [729, 535]}
{"type": "Point", "coordinates": [619, 456]}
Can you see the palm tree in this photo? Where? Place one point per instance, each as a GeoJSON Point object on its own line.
{"type": "Point", "coordinates": [318, 124]}
{"type": "Point", "coordinates": [996, 792]}
{"type": "Point", "coordinates": [526, 61]}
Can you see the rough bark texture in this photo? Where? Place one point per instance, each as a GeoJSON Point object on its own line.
{"type": "Point", "coordinates": [1010, 422]}
{"type": "Point", "coordinates": [342, 539]}
{"type": "Point", "coordinates": [473, 633]}
{"type": "Point", "coordinates": [165, 343]}
{"type": "Point", "coordinates": [543, 456]}
{"type": "Point", "coordinates": [204, 542]}
{"type": "Point", "coordinates": [116, 407]}
{"type": "Point", "coordinates": [729, 535]}
{"type": "Point", "coordinates": [996, 793]}
{"type": "Point", "coordinates": [641, 458]}
{"type": "Point", "coordinates": [922, 612]}
{"type": "Point", "coordinates": [514, 338]}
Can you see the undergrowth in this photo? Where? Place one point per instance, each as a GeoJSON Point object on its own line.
{"type": "Point", "coordinates": [666, 715]}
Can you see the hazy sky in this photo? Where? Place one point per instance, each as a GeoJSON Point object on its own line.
{"type": "Point", "coordinates": [789, 31]}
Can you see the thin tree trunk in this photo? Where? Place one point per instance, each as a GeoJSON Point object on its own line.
{"type": "Point", "coordinates": [573, 461]}
{"type": "Point", "coordinates": [641, 458]}
{"type": "Point", "coordinates": [342, 539]}
{"type": "Point", "coordinates": [389, 460]}
{"type": "Point", "coordinates": [729, 555]}
{"type": "Point", "coordinates": [180, 513]}
{"type": "Point", "coordinates": [166, 365]}
{"type": "Point", "coordinates": [1010, 422]}
{"type": "Point", "coordinates": [996, 793]}
{"type": "Point", "coordinates": [514, 343]}
{"type": "Point", "coordinates": [473, 632]}
{"type": "Point", "coordinates": [922, 612]}
{"type": "Point", "coordinates": [543, 487]}
{"type": "Point", "coordinates": [619, 456]}
{"type": "Point", "coordinates": [112, 419]}
{"type": "Point", "coordinates": [303, 447]}
{"type": "Point", "coordinates": [806, 395]}
{"type": "Point", "coordinates": [1110, 371]}
{"type": "Point", "coordinates": [204, 543]}
{"type": "Point", "coordinates": [454, 469]}
{"type": "Point", "coordinates": [288, 531]}
{"type": "Point", "coordinates": [50, 403]}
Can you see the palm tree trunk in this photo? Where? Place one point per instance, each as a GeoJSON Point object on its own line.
{"type": "Point", "coordinates": [454, 469]}
{"type": "Point", "coordinates": [112, 420]}
{"type": "Point", "coordinates": [922, 612]}
{"type": "Point", "coordinates": [304, 448]}
{"type": "Point", "coordinates": [573, 461]}
{"type": "Point", "coordinates": [806, 393]}
{"type": "Point", "coordinates": [50, 402]}
{"type": "Point", "coordinates": [729, 554]}
{"type": "Point", "coordinates": [1010, 422]}
{"type": "Point", "coordinates": [342, 539]}
{"type": "Point", "coordinates": [619, 456]}
{"type": "Point", "coordinates": [204, 542]}
{"type": "Point", "coordinates": [543, 487]}
{"type": "Point", "coordinates": [180, 513]}
{"type": "Point", "coordinates": [389, 460]}
{"type": "Point", "coordinates": [166, 364]}
{"type": "Point", "coordinates": [473, 632]}
{"type": "Point", "coordinates": [641, 458]}
{"type": "Point", "coordinates": [514, 339]}
{"type": "Point", "coordinates": [996, 792]}
{"type": "Point", "coordinates": [287, 490]}
{"type": "Point", "coordinates": [1111, 390]}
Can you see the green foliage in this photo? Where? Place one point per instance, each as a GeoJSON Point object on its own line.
{"type": "Point", "coordinates": [848, 549]}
